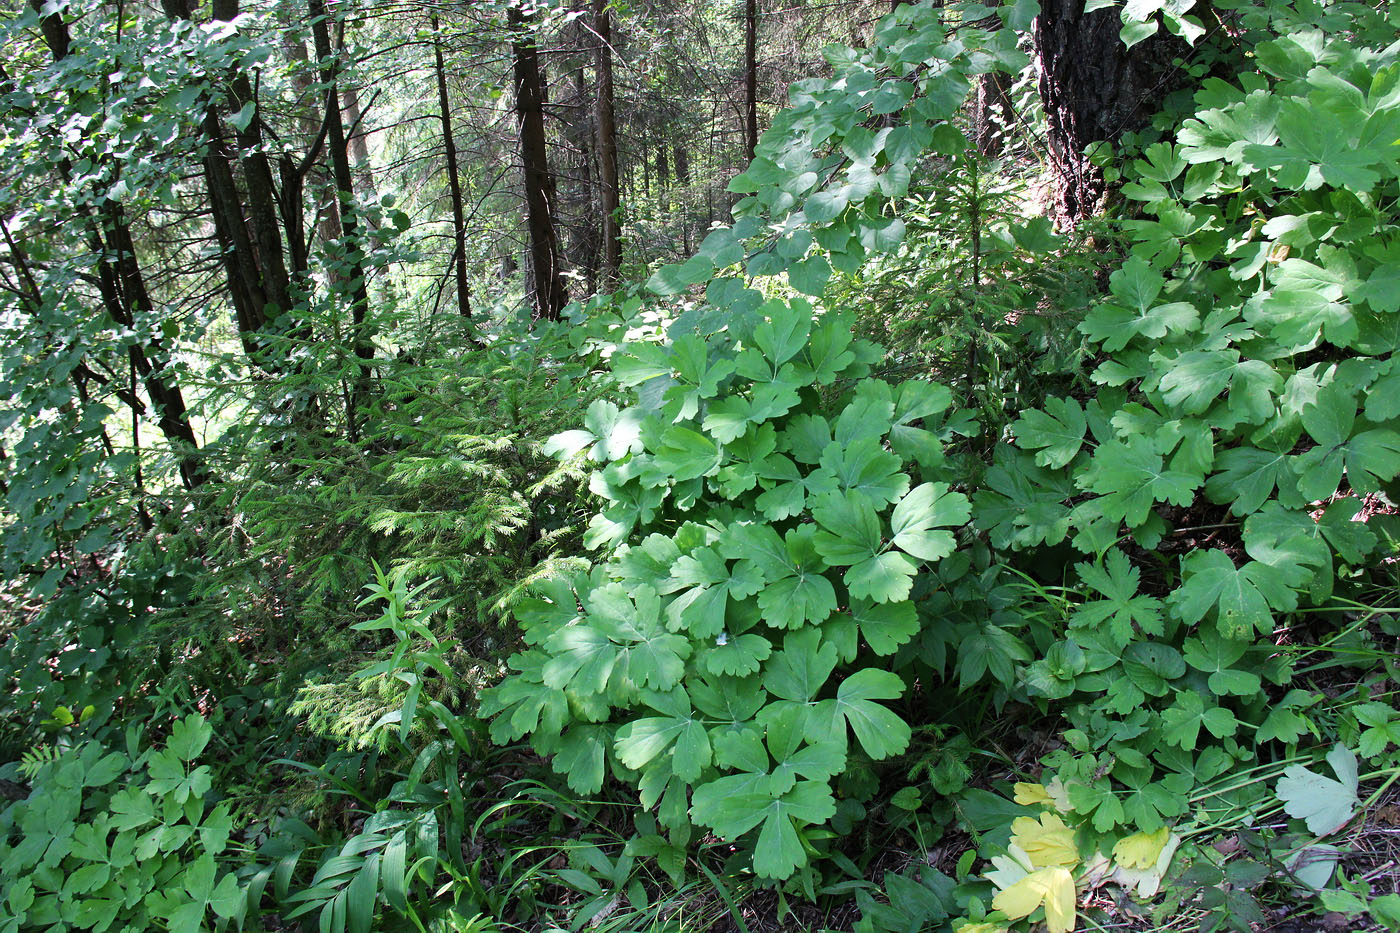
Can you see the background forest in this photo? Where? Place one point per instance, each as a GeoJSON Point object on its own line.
{"type": "Point", "coordinates": [722, 466]}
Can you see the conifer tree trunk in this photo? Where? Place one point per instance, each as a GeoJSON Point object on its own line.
{"type": "Point", "coordinates": [249, 247]}
{"type": "Point", "coordinates": [236, 251]}
{"type": "Point", "coordinates": [360, 339]}
{"type": "Point", "coordinates": [454, 181]}
{"type": "Point", "coordinates": [257, 176]}
{"type": "Point", "coordinates": [993, 113]}
{"type": "Point", "coordinates": [550, 296]}
{"type": "Point", "coordinates": [1094, 89]}
{"type": "Point", "coordinates": [607, 147]}
{"type": "Point", "coordinates": [750, 78]}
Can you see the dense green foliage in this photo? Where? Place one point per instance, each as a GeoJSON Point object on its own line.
{"type": "Point", "coordinates": [720, 624]}
{"type": "Point", "coordinates": [901, 560]}
{"type": "Point", "coordinates": [79, 854]}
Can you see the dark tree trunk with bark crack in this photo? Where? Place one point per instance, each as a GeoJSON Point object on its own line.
{"type": "Point", "coordinates": [1094, 89]}
{"type": "Point", "coordinates": [607, 148]}
{"type": "Point", "coordinates": [750, 78]}
{"type": "Point", "coordinates": [360, 340]}
{"type": "Point", "coordinates": [454, 181]}
{"type": "Point", "coordinates": [549, 292]}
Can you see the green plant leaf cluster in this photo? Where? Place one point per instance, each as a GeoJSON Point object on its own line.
{"type": "Point", "coordinates": [111, 840]}
{"type": "Point", "coordinates": [1219, 479]}
{"type": "Point", "coordinates": [769, 512]}
{"type": "Point", "coordinates": [759, 556]}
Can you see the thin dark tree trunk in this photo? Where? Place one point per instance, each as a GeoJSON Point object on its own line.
{"type": "Point", "coordinates": [294, 180]}
{"type": "Point", "coordinates": [250, 290]}
{"type": "Point", "coordinates": [607, 148]}
{"type": "Point", "coordinates": [172, 416]}
{"type": "Point", "coordinates": [750, 78]}
{"type": "Point", "coordinates": [138, 475]}
{"type": "Point", "coordinates": [993, 114]}
{"type": "Point", "coordinates": [1094, 89]}
{"type": "Point", "coordinates": [681, 162]}
{"type": "Point", "coordinates": [454, 182]}
{"type": "Point", "coordinates": [262, 194]}
{"type": "Point", "coordinates": [550, 294]}
{"type": "Point", "coordinates": [310, 118]}
{"type": "Point", "coordinates": [360, 339]}
{"type": "Point", "coordinates": [123, 291]}
{"type": "Point", "coordinates": [236, 250]}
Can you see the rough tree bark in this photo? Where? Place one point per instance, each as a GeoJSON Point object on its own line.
{"type": "Point", "coordinates": [360, 339]}
{"type": "Point", "coordinates": [550, 295]}
{"type": "Point", "coordinates": [251, 259]}
{"type": "Point", "coordinates": [454, 181]}
{"type": "Point", "coordinates": [607, 147]}
{"type": "Point", "coordinates": [993, 113]}
{"type": "Point", "coordinates": [750, 78]}
{"type": "Point", "coordinates": [1094, 89]}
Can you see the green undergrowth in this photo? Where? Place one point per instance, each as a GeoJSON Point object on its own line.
{"type": "Point", "coordinates": [448, 482]}
{"type": "Point", "coordinates": [1073, 605]}
{"type": "Point", "coordinates": [1146, 561]}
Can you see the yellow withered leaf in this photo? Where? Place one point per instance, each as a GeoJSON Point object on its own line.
{"type": "Point", "coordinates": [1140, 850]}
{"type": "Point", "coordinates": [1052, 888]}
{"type": "Point", "coordinates": [1022, 898]}
{"type": "Point", "coordinates": [1028, 795]}
{"type": "Point", "coordinates": [1048, 843]}
{"type": "Point", "coordinates": [1148, 880]}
